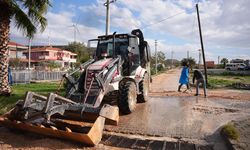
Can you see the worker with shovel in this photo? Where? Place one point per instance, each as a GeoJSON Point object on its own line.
{"type": "Point", "coordinates": [199, 79]}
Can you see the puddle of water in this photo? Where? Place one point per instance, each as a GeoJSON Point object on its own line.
{"type": "Point", "coordinates": [191, 117]}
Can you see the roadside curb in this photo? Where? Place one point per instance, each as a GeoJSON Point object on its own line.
{"type": "Point", "coordinates": [243, 127]}
{"type": "Point", "coordinates": [229, 143]}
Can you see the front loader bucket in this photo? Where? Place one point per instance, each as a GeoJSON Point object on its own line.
{"type": "Point", "coordinates": [60, 117]}
{"type": "Point", "coordinates": [90, 135]}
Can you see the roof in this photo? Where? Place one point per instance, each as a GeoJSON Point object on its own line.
{"type": "Point", "coordinates": [49, 48]}
{"type": "Point", "coordinates": [46, 48]}
{"type": "Point", "coordinates": [116, 36]}
{"type": "Point", "coordinates": [14, 44]}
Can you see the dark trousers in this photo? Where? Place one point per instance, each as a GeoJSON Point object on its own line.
{"type": "Point", "coordinates": [179, 88]}
{"type": "Point", "coordinates": [198, 82]}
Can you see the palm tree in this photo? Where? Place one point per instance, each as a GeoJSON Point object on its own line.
{"type": "Point", "coordinates": [28, 16]}
{"type": "Point", "coordinates": [191, 62]}
{"type": "Point", "coordinates": [224, 61]}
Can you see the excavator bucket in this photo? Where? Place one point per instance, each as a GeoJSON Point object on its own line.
{"type": "Point", "coordinates": [88, 131]}
{"type": "Point", "coordinates": [90, 135]}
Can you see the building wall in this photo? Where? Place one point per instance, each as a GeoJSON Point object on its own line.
{"type": "Point", "coordinates": [64, 58]}
{"type": "Point", "coordinates": [210, 64]}
{"type": "Point", "coordinates": [16, 53]}
{"type": "Point", "coordinates": [53, 55]}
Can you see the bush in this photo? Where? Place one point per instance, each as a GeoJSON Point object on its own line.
{"type": "Point", "coordinates": [215, 82]}
{"type": "Point", "coordinates": [232, 74]}
{"type": "Point", "coordinates": [152, 70]}
{"type": "Point", "coordinates": [230, 131]}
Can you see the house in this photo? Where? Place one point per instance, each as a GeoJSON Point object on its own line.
{"type": "Point", "coordinates": [16, 50]}
{"type": "Point", "coordinates": [210, 64]}
{"type": "Point", "coordinates": [51, 54]}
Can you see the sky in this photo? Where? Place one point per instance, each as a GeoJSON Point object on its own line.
{"type": "Point", "coordinates": [225, 25]}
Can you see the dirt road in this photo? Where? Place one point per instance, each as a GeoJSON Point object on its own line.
{"type": "Point", "coordinates": [166, 84]}
{"type": "Point", "coordinates": [169, 120]}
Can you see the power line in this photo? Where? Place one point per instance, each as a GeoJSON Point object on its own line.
{"type": "Point", "coordinates": [169, 17]}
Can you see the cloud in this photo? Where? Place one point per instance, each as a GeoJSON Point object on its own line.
{"type": "Point", "coordinates": [225, 24]}
{"type": "Point", "coordinates": [121, 17]}
{"type": "Point", "coordinates": [60, 30]}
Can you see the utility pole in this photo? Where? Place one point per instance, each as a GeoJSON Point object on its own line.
{"type": "Point", "coordinates": [202, 47]}
{"type": "Point", "coordinates": [29, 53]}
{"type": "Point", "coordinates": [199, 63]}
{"type": "Point", "coordinates": [74, 33]}
{"type": "Point", "coordinates": [29, 59]}
{"type": "Point", "coordinates": [49, 39]}
{"type": "Point", "coordinates": [218, 60]}
{"type": "Point", "coordinates": [156, 57]}
{"type": "Point", "coordinates": [108, 15]}
{"type": "Point", "coordinates": [172, 57]}
{"type": "Point", "coordinates": [187, 54]}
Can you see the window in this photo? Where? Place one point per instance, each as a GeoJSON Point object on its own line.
{"type": "Point", "coordinates": [134, 50]}
{"type": "Point", "coordinates": [105, 47]}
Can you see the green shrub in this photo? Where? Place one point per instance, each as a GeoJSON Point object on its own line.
{"type": "Point", "coordinates": [230, 131]}
{"type": "Point", "coordinates": [231, 74]}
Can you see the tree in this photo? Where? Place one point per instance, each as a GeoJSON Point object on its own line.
{"type": "Point", "coordinates": [191, 61]}
{"type": "Point", "coordinates": [52, 65]}
{"type": "Point", "coordinates": [224, 61]}
{"type": "Point", "coordinates": [169, 62]}
{"type": "Point", "coordinates": [160, 62]}
{"type": "Point", "coordinates": [161, 57]}
{"type": "Point", "coordinates": [28, 16]}
{"type": "Point", "coordinates": [82, 51]}
{"type": "Point", "coordinates": [15, 62]}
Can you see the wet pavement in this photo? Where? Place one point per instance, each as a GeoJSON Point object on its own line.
{"type": "Point", "coordinates": [181, 117]}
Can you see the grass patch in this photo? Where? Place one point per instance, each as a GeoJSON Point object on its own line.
{"type": "Point", "coordinates": [230, 131]}
{"type": "Point", "coordinates": [19, 90]}
{"type": "Point", "coordinates": [220, 81]}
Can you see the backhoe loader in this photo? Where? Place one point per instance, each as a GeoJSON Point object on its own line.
{"type": "Point", "coordinates": [112, 82]}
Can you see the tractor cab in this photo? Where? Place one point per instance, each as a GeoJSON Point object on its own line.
{"type": "Point", "coordinates": [123, 45]}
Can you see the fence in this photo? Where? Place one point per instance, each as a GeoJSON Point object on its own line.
{"type": "Point", "coordinates": [26, 76]}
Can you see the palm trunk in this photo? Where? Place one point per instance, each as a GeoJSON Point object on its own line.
{"type": "Point", "coordinates": [4, 39]}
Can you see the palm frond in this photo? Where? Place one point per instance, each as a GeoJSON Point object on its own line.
{"type": "Point", "coordinates": [33, 18]}
{"type": "Point", "coordinates": [37, 18]}
{"type": "Point", "coordinates": [22, 21]}
{"type": "Point", "coordinates": [40, 6]}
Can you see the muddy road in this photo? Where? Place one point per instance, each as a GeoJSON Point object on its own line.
{"type": "Point", "coordinates": [169, 120]}
{"type": "Point", "coordinates": [181, 117]}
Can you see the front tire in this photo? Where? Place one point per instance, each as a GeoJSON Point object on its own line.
{"type": "Point", "coordinates": [144, 89]}
{"type": "Point", "coordinates": [127, 97]}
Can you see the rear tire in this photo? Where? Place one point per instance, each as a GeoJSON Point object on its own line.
{"type": "Point", "coordinates": [144, 89]}
{"type": "Point", "coordinates": [127, 97]}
